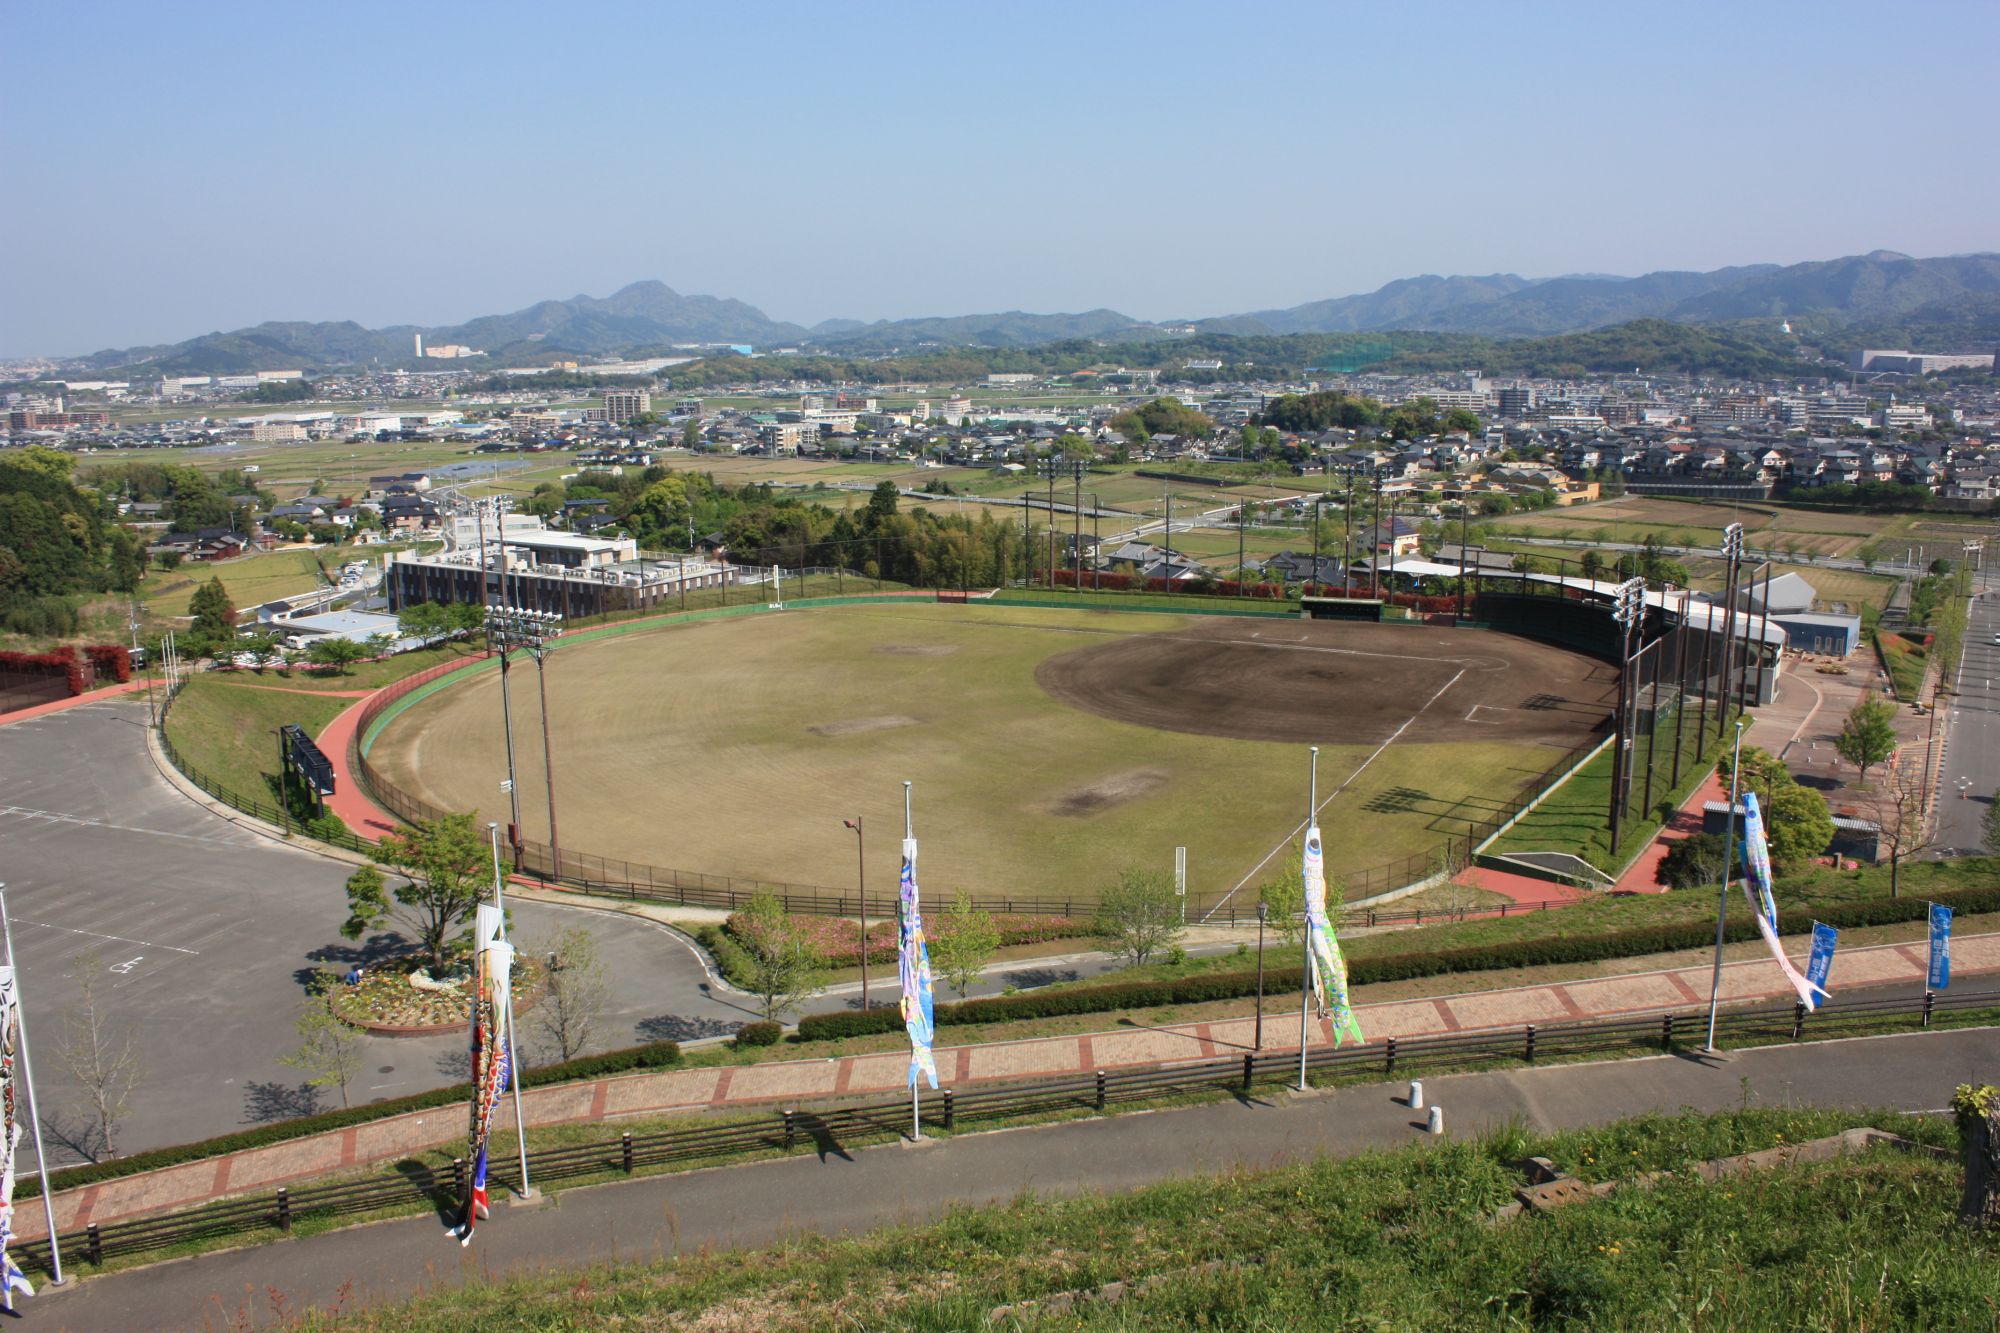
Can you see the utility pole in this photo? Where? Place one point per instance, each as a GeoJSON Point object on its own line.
{"type": "Point", "coordinates": [861, 880]}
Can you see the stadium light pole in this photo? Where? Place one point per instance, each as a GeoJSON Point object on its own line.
{"type": "Point", "coordinates": [1629, 610]}
{"type": "Point", "coordinates": [861, 879]}
{"type": "Point", "coordinates": [1732, 554]}
{"type": "Point", "coordinates": [515, 628]}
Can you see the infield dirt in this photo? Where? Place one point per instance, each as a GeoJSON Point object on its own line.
{"type": "Point", "coordinates": [1048, 749]}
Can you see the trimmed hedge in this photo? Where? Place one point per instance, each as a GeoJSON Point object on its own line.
{"type": "Point", "coordinates": [759, 1034]}
{"type": "Point", "coordinates": [655, 1055]}
{"type": "Point", "coordinates": [1536, 952]}
{"type": "Point", "coordinates": [730, 959]}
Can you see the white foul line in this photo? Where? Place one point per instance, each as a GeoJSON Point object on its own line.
{"type": "Point", "coordinates": [1300, 827]}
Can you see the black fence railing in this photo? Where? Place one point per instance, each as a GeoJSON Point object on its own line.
{"type": "Point", "coordinates": [781, 1131]}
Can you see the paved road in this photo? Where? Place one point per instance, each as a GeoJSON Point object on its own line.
{"type": "Point", "coordinates": [1972, 737]}
{"type": "Point", "coordinates": [842, 1192]}
{"type": "Point", "coordinates": [202, 932]}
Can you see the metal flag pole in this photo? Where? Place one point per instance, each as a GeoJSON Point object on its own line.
{"type": "Point", "coordinates": [1722, 899]}
{"type": "Point", "coordinates": [916, 1115]}
{"type": "Point", "coordinates": [34, 1118]}
{"type": "Point", "coordinates": [1305, 975]}
{"type": "Point", "coordinates": [513, 1063]}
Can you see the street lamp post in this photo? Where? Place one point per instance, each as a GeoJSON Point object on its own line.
{"type": "Point", "coordinates": [861, 879]}
{"type": "Point", "coordinates": [1263, 913]}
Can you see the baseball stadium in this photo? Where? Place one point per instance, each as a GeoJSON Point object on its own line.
{"type": "Point", "coordinates": [1048, 748]}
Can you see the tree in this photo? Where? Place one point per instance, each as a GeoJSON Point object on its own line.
{"type": "Point", "coordinates": [443, 863]}
{"type": "Point", "coordinates": [1140, 914]}
{"type": "Point", "coordinates": [1593, 564]}
{"type": "Point", "coordinates": [691, 435]}
{"type": "Point", "coordinates": [966, 942]}
{"type": "Point", "coordinates": [329, 1049]}
{"type": "Point", "coordinates": [104, 1061]}
{"type": "Point", "coordinates": [577, 989]}
{"type": "Point", "coordinates": [214, 614]}
{"type": "Point", "coordinates": [422, 620]}
{"type": "Point", "coordinates": [1869, 735]}
{"type": "Point", "coordinates": [786, 966]}
{"type": "Point", "coordinates": [1904, 824]}
{"type": "Point", "coordinates": [1692, 862]}
{"type": "Point", "coordinates": [1284, 898]}
{"type": "Point", "coordinates": [335, 653]}
{"type": "Point", "coordinates": [881, 504]}
{"type": "Point", "coordinates": [1797, 824]}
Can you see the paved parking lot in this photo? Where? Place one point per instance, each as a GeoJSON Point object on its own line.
{"type": "Point", "coordinates": [202, 931]}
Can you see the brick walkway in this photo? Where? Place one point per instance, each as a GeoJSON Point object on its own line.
{"type": "Point", "coordinates": [884, 1075]}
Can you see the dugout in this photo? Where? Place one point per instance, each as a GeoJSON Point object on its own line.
{"type": "Point", "coordinates": [1340, 608]}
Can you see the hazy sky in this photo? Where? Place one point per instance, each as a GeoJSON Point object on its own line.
{"type": "Point", "coordinates": [179, 168]}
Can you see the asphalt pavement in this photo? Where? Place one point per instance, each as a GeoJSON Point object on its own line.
{"type": "Point", "coordinates": [839, 1191]}
{"type": "Point", "coordinates": [1972, 737]}
{"type": "Point", "coordinates": [201, 933]}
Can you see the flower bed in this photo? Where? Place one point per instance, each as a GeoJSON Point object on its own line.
{"type": "Point", "coordinates": [839, 939]}
{"type": "Point", "coordinates": [385, 1000]}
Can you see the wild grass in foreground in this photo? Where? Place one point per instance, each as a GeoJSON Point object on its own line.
{"type": "Point", "coordinates": [1386, 1240]}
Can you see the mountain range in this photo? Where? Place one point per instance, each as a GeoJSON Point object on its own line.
{"type": "Point", "coordinates": [1880, 288]}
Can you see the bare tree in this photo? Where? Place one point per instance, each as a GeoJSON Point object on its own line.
{"type": "Point", "coordinates": [1903, 818]}
{"type": "Point", "coordinates": [103, 1059]}
{"type": "Point", "coordinates": [574, 1001]}
{"type": "Point", "coordinates": [329, 1049]}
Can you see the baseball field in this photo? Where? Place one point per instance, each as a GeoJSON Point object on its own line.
{"type": "Point", "coordinates": [1047, 748]}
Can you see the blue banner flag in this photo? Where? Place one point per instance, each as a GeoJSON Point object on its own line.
{"type": "Point", "coordinates": [1824, 939]}
{"type": "Point", "coordinates": [1940, 971]}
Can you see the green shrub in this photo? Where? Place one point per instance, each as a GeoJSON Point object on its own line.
{"type": "Point", "coordinates": [1538, 952]}
{"type": "Point", "coordinates": [759, 1034]}
{"type": "Point", "coordinates": [730, 959]}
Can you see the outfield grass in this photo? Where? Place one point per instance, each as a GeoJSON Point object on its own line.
{"type": "Point", "coordinates": [1395, 1239]}
{"type": "Point", "coordinates": [695, 747]}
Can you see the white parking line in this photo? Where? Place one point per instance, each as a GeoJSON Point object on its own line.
{"type": "Point", "coordinates": [99, 935]}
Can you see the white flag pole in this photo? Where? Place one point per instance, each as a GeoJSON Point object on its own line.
{"type": "Point", "coordinates": [1305, 977]}
{"type": "Point", "coordinates": [916, 1117]}
{"type": "Point", "coordinates": [28, 1079]}
{"type": "Point", "coordinates": [513, 1062]}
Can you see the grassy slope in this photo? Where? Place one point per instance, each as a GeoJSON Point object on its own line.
{"type": "Point", "coordinates": [1573, 819]}
{"type": "Point", "coordinates": [698, 752]}
{"type": "Point", "coordinates": [1396, 1239]}
{"type": "Point", "coordinates": [225, 729]}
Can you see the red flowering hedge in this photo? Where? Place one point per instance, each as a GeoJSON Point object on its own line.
{"type": "Point", "coordinates": [111, 661]}
{"type": "Point", "coordinates": [839, 938]}
{"type": "Point", "coordinates": [61, 661]}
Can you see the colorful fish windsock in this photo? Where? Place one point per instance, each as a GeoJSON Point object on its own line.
{"type": "Point", "coordinates": [11, 1277]}
{"type": "Point", "coordinates": [913, 968]}
{"type": "Point", "coordinates": [1329, 969]}
{"type": "Point", "coordinates": [493, 960]}
{"type": "Point", "coordinates": [1763, 907]}
{"type": "Point", "coordinates": [1757, 855]}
